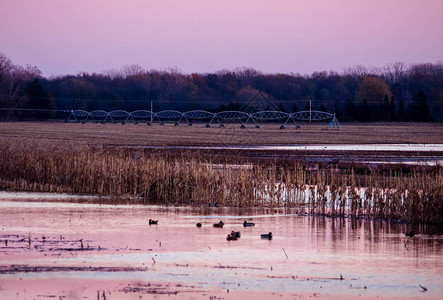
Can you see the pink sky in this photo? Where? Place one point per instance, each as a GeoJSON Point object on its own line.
{"type": "Point", "coordinates": [301, 36]}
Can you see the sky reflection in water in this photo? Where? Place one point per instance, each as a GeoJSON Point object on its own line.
{"type": "Point", "coordinates": [371, 254]}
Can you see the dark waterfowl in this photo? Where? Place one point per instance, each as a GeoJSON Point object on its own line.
{"type": "Point", "coordinates": [199, 225]}
{"type": "Point", "coordinates": [153, 222]}
{"type": "Point", "coordinates": [246, 224]}
{"type": "Point", "coordinates": [410, 234]}
{"type": "Point", "coordinates": [234, 235]}
{"type": "Point", "coordinates": [267, 236]}
{"type": "Point", "coordinates": [219, 224]}
{"type": "Point", "coordinates": [213, 204]}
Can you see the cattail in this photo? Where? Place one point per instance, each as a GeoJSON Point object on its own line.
{"type": "Point", "coordinates": [175, 179]}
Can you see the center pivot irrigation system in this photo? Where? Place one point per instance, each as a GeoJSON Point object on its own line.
{"type": "Point", "coordinates": [245, 119]}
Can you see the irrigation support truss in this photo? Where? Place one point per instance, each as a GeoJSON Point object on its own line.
{"type": "Point", "coordinates": [245, 119]}
{"type": "Point", "coordinates": [286, 120]}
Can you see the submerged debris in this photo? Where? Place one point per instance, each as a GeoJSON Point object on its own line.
{"type": "Point", "coordinates": [238, 267]}
{"type": "Point", "coordinates": [13, 269]}
{"type": "Point", "coordinates": [48, 244]}
{"type": "Point", "coordinates": [285, 254]}
{"type": "Point", "coordinates": [161, 289]}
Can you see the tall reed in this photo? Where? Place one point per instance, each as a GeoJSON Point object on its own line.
{"type": "Point", "coordinates": [184, 180]}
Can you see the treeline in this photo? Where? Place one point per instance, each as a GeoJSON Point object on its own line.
{"type": "Point", "coordinates": [396, 92]}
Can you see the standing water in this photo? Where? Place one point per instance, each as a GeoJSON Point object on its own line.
{"type": "Point", "coordinates": [72, 250]}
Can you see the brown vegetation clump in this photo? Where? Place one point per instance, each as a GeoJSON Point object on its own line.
{"type": "Point", "coordinates": [181, 179]}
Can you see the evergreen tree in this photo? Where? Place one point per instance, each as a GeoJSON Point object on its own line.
{"type": "Point", "coordinates": [294, 108]}
{"type": "Point", "coordinates": [39, 99]}
{"type": "Point", "coordinates": [364, 112]}
{"type": "Point", "coordinates": [384, 113]}
{"type": "Point", "coordinates": [323, 107]}
{"type": "Point", "coordinates": [338, 110]}
{"type": "Point", "coordinates": [401, 114]}
{"type": "Point", "coordinates": [392, 114]}
{"type": "Point", "coordinates": [349, 110]}
{"type": "Point", "coordinates": [420, 107]}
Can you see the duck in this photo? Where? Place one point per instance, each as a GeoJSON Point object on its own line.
{"type": "Point", "coordinates": [219, 224]}
{"type": "Point", "coordinates": [246, 224]}
{"type": "Point", "coordinates": [199, 225]}
{"type": "Point", "coordinates": [153, 222]}
{"type": "Point", "coordinates": [267, 236]}
{"type": "Point", "coordinates": [231, 238]}
{"type": "Point", "coordinates": [234, 235]}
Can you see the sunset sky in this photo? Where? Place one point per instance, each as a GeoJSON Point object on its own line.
{"type": "Point", "coordinates": [301, 36]}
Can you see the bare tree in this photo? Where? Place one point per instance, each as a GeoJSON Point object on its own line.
{"type": "Point", "coordinates": [394, 73]}
{"type": "Point", "coordinates": [147, 80]}
{"type": "Point", "coordinates": [246, 75]}
{"type": "Point", "coordinates": [13, 80]}
{"type": "Point", "coordinates": [5, 65]}
{"type": "Point", "coordinates": [132, 70]}
{"type": "Point", "coordinates": [113, 74]}
{"type": "Point", "coordinates": [173, 83]}
{"type": "Point", "coordinates": [357, 72]}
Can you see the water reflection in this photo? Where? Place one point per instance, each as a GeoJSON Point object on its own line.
{"type": "Point", "coordinates": [307, 254]}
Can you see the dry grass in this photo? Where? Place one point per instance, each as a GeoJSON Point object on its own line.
{"type": "Point", "coordinates": [182, 179]}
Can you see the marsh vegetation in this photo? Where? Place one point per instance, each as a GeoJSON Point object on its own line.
{"type": "Point", "coordinates": [409, 194]}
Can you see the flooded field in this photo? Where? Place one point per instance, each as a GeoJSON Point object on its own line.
{"type": "Point", "coordinates": [65, 250]}
{"type": "Point", "coordinates": [370, 154]}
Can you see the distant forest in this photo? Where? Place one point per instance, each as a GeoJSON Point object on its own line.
{"type": "Point", "coordinates": [396, 92]}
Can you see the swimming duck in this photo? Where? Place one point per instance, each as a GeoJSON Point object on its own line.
{"type": "Point", "coordinates": [246, 224]}
{"type": "Point", "coordinates": [267, 236]}
{"type": "Point", "coordinates": [219, 224]}
{"type": "Point", "coordinates": [199, 225]}
{"type": "Point", "coordinates": [410, 234]}
{"type": "Point", "coordinates": [231, 238]}
{"type": "Point", "coordinates": [153, 222]}
{"type": "Point", "coordinates": [234, 235]}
